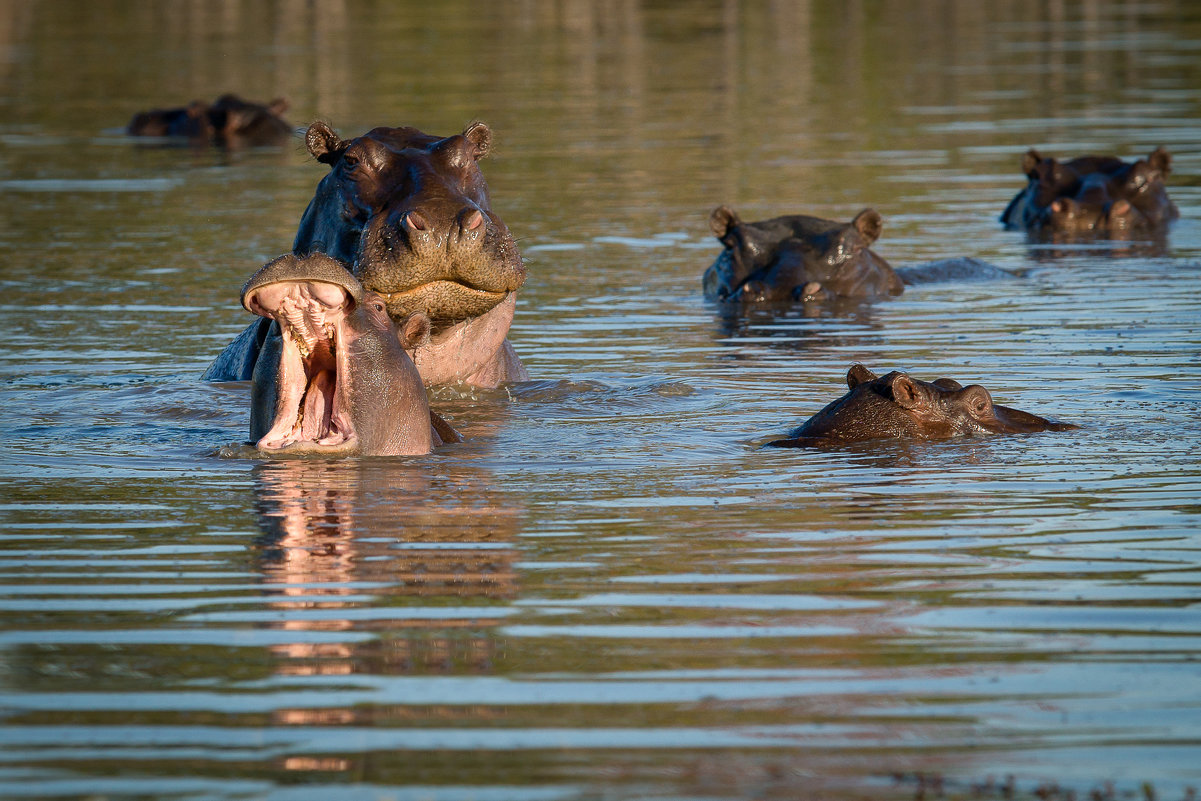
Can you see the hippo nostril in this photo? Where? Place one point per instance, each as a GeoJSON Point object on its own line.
{"type": "Point", "coordinates": [415, 221]}
{"type": "Point", "coordinates": [473, 220]}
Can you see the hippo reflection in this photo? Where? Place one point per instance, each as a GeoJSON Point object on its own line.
{"type": "Point", "coordinates": [337, 381]}
{"type": "Point", "coordinates": [1093, 196]}
{"type": "Point", "coordinates": [797, 257]}
{"type": "Point", "coordinates": [229, 122]}
{"type": "Point", "coordinates": [412, 213]}
{"type": "Point", "coordinates": [896, 406]}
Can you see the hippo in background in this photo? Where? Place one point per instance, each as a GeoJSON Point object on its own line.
{"type": "Point", "coordinates": [797, 257]}
{"type": "Point", "coordinates": [338, 382]}
{"type": "Point", "coordinates": [1093, 196]}
{"type": "Point", "coordinates": [802, 258]}
{"type": "Point", "coordinates": [896, 406]}
{"type": "Point", "coordinates": [230, 122]}
{"type": "Point", "coordinates": [411, 213]}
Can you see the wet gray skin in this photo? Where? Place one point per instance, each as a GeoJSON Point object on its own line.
{"type": "Point", "coordinates": [896, 406]}
{"type": "Point", "coordinates": [797, 257]}
{"type": "Point", "coordinates": [337, 381]}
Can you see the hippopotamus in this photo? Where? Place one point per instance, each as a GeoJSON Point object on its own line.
{"type": "Point", "coordinates": [412, 213]}
{"type": "Point", "coordinates": [1093, 195]}
{"type": "Point", "coordinates": [797, 257]}
{"type": "Point", "coordinates": [338, 381]}
{"type": "Point", "coordinates": [229, 122]}
{"type": "Point", "coordinates": [897, 406]}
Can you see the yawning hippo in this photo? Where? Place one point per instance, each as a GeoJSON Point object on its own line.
{"type": "Point", "coordinates": [896, 406]}
{"type": "Point", "coordinates": [797, 258]}
{"type": "Point", "coordinates": [412, 214]}
{"type": "Point", "coordinates": [337, 381]}
{"type": "Point", "coordinates": [1093, 195]}
{"type": "Point", "coordinates": [230, 122]}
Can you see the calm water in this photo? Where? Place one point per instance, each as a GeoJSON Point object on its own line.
{"type": "Point", "coordinates": [609, 591]}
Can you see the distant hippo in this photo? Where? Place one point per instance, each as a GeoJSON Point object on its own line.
{"type": "Point", "coordinates": [896, 406]}
{"type": "Point", "coordinates": [230, 122]}
{"type": "Point", "coordinates": [411, 212]}
{"type": "Point", "coordinates": [797, 258]}
{"type": "Point", "coordinates": [338, 381]}
{"type": "Point", "coordinates": [1100, 196]}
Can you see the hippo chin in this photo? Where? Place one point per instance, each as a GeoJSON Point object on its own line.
{"type": "Point", "coordinates": [411, 212]}
{"type": "Point", "coordinates": [336, 381]}
{"type": "Point", "coordinates": [1092, 197]}
{"type": "Point", "coordinates": [797, 257]}
{"type": "Point", "coordinates": [896, 406]}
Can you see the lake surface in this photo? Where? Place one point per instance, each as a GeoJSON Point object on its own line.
{"type": "Point", "coordinates": [609, 591]}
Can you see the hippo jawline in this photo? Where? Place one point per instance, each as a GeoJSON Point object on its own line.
{"type": "Point", "coordinates": [310, 416]}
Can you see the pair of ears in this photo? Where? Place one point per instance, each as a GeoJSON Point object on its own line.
{"type": "Point", "coordinates": [868, 223]}
{"type": "Point", "coordinates": [327, 147]}
{"type": "Point", "coordinates": [903, 389]}
{"type": "Point", "coordinates": [1160, 161]}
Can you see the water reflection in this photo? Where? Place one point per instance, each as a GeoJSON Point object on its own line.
{"type": "Point", "coordinates": [426, 564]}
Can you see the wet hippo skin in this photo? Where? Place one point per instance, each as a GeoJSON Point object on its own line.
{"type": "Point", "coordinates": [1101, 196]}
{"type": "Point", "coordinates": [336, 381]}
{"type": "Point", "coordinates": [897, 406]}
{"type": "Point", "coordinates": [797, 257]}
{"type": "Point", "coordinates": [230, 122]}
{"type": "Point", "coordinates": [412, 213]}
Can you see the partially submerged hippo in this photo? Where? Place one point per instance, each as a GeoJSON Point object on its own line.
{"type": "Point", "coordinates": [1101, 196]}
{"type": "Point", "coordinates": [338, 382]}
{"type": "Point", "coordinates": [411, 212]}
{"type": "Point", "coordinates": [229, 122]}
{"type": "Point", "coordinates": [896, 406]}
{"type": "Point", "coordinates": [797, 257]}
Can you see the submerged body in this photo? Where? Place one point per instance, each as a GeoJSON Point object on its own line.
{"type": "Point", "coordinates": [797, 257]}
{"type": "Point", "coordinates": [411, 213]}
{"type": "Point", "coordinates": [335, 380]}
{"type": "Point", "coordinates": [230, 122]}
{"type": "Point", "coordinates": [896, 406]}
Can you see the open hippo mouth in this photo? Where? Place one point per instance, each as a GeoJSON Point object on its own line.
{"type": "Point", "coordinates": [311, 396]}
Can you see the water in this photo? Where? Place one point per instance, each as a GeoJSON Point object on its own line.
{"type": "Point", "coordinates": [608, 591]}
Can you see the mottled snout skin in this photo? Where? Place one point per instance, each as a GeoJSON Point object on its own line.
{"type": "Point", "coordinates": [1093, 196]}
{"type": "Point", "coordinates": [797, 257]}
{"type": "Point", "coordinates": [231, 122]}
{"type": "Point", "coordinates": [336, 381]}
{"type": "Point", "coordinates": [897, 406]}
{"type": "Point", "coordinates": [411, 212]}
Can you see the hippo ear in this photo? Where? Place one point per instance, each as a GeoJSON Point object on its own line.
{"type": "Point", "coordinates": [278, 106]}
{"type": "Point", "coordinates": [415, 331]}
{"type": "Point", "coordinates": [722, 220]}
{"type": "Point", "coordinates": [858, 374]}
{"type": "Point", "coordinates": [325, 145]}
{"type": "Point", "coordinates": [1030, 163]}
{"type": "Point", "coordinates": [869, 224]}
{"type": "Point", "coordinates": [480, 136]}
{"type": "Point", "coordinates": [1161, 160]}
{"type": "Point", "coordinates": [904, 391]}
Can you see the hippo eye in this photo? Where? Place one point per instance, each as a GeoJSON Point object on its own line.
{"type": "Point", "coordinates": [351, 161]}
{"type": "Point", "coordinates": [378, 306]}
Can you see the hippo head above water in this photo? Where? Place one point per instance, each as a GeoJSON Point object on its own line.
{"type": "Point", "coordinates": [797, 257]}
{"type": "Point", "coordinates": [896, 406]}
{"type": "Point", "coordinates": [339, 381]}
{"type": "Point", "coordinates": [1095, 196]}
{"type": "Point", "coordinates": [412, 213]}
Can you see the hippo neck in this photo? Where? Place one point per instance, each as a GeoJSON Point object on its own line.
{"type": "Point", "coordinates": [456, 353]}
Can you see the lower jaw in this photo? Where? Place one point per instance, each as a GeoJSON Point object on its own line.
{"type": "Point", "coordinates": [348, 446]}
{"type": "Point", "coordinates": [444, 302]}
